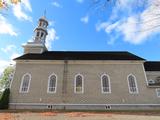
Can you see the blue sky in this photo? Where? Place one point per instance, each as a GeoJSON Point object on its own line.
{"type": "Point", "coordinates": [80, 25]}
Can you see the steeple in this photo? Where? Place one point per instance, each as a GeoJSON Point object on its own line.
{"type": "Point", "coordinates": [39, 39]}
{"type": "Point", "coordinates": [41, 31]}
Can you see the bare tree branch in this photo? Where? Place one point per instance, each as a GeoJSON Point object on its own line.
{"type": "Point", "coordinates": [153, 15]}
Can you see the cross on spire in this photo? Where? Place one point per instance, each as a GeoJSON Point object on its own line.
{"type": "Point", "coordinates": [45, 12]}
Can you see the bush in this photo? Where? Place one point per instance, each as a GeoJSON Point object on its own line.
{"type": "Point", "coordinates": [0, 94]}
{"type": "Point", "coordinates": [5, 99]}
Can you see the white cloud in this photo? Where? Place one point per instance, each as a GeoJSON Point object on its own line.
{"type": "Point", "coordinates": [132, 32]}
{"type": "Point", "coordinates": [3, 65]}
{"type": "Point", "coordinates": [52, 35]}
{"type": "Point", "coordinates": [18, 10]}
{"type": "Point", "coordinates": [135, 28]}
{"type": "Point", "coordinates": [51, 23]}
{"type": "Point", "coordinates": [27, 5]}
{"type": "Point", "coordinates": [108, 27]}
{"type": "Point", "coordinates": [8, 48]}
{"type": "Point", "coordinates": [13, 56]}
{"type": "Point", "coordinates": [6, 63]}
{"type": "Point", "coordinates": [56, 4]}
{"type": "Point", "coordinates": [85, 19]}
{"type": "Point", "coordinates": [29, 40]}
{"type": "Point", "coordinates": [80, 1]}
{"type": "Point", "coordinates": [11, 53]}
{"type": "Point", "coordinates": [6, 27]}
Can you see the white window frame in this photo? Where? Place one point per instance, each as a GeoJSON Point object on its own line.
{"type": "Point", "coordinates": [158, 89]}
{"type": "Point", "coordinates": [13, 77]}
{"type": "Point", "coordinates": [20, 90]}
{"type": "Point", "coordinates": [82, 84]}
{"type": "Point", "coordinates": [38, 34]}
{"type": "Point", "coordinates": [108, 83]}
{"type": "Point", "coordinates": [135, 80]}
{"type": "Point", "coordinates": [55, 84]}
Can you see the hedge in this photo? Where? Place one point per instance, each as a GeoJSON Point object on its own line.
{"type": "Point", "coordinates": [4, 100]}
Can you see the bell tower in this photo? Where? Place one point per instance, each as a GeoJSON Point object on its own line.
{"type": "Point", "coordinates": [40, 33]}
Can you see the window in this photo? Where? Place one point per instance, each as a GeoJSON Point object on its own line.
{"type": "Point", "coordinates": [108, 107]}
{"type": "Point", "coordinates": [44, 24]}
{"type": "Point", "coordinates": [37, 34]}
{"type": "Point", "coordinates": [52, 81]}
{"type": "Point", "coordinates": [105, 84]}
{"type": "Point", "coordinates": [158, 79]}
{"type": "Point", "coordinates": [40, 24]}
{"type": "Point", "coordinates": [49, 106]}
{"type": "Point", "coordinates": [79, 84]}
{"type": "Point", "coordinates": [132, 84]}
{"type": "Point", "coordinates": [42, 34]}
{"type": "Point", "coordinates": [25, 83]}
{"type": "Point", "coordinates": [158, 92]}
{"type": "Point", "coordinates": [11, 76]}
{"type": "Point", "coordinates": [151, 82]}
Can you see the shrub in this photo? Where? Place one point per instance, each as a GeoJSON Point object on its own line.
{"type": "Point", "coordinates": [0, 94]}
{"type": "Point", "coordinates": [4, 100]}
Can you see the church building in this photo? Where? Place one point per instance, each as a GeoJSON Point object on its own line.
{"type": "Point", "coordinates": [82, 80]}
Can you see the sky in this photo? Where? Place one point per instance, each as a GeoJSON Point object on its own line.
{"type": "Point", "coordinates": [83, 25]}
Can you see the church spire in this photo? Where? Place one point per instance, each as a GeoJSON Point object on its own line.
{"type": "Point", "coordinates": [41, 30]}
{"type": "Point", "coordinates": [40, 34]}
{"type": "Point", "coordinates": [45, 12]}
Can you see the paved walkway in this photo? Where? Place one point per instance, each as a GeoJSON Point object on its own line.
{"type": "Point", "coordinates": [79, 116]}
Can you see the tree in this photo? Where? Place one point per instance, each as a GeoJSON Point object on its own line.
{"type": "Point", "coordinates": [6, 77]}
{"type": "Point", "coordinates": [4, 100]}
{"type": "Point", "coordinates": [146, 13]}
{"type": "Point", "coordinates": [104, 4]}
{"type": "Point", "coordinates": [6, 3]}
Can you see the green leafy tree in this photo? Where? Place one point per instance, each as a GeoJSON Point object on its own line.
{"type": "Point", "coordinates": [6, 77]}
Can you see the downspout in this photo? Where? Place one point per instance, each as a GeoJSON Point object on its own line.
{"type": "Point", "coordinates": [64, 82]}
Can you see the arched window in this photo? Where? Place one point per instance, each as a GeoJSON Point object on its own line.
{"type": "Point", "coordinates": [40, 24]}
{"type": "Point", "coordinates": [42, 34]}
{"type": "Point", "coordinates": [105, 84]}
{"type": "Point", "coordinates": [78, 84]}
{"type": "Point", "coordinates": [37, 34]}
{"type": "Point", "coordinates": [132, 84]}
{"type": "Point", "coordinates": [52, 81]}
{"type": "Point", "coordinates": [25, 83]}
{"type": "Point", "coordinates": [158, 92]}
{"type": "Point", "coordinates": [44, 24]}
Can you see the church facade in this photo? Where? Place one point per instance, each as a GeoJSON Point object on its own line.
{"type": "Point", "coordinates": [84, 80]}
